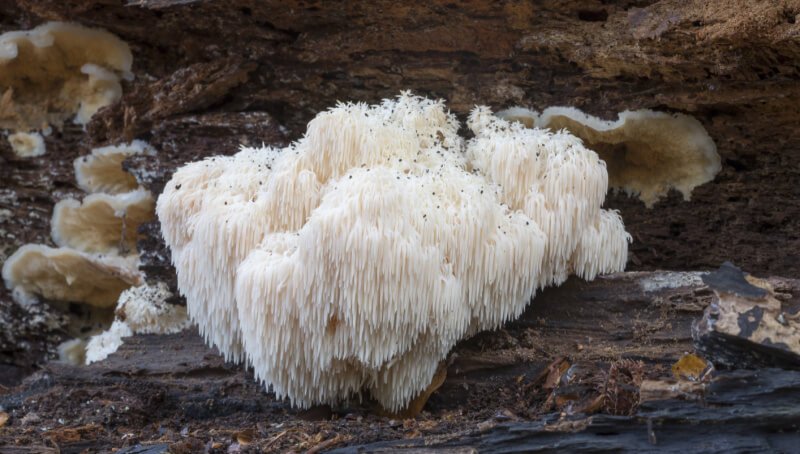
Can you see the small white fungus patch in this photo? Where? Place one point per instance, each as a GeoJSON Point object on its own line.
{"type": "Point", "coordinates": [27, 144]}
{"type": "Point", "coordinates": [72, 351]}
{"type": "Point", "coordinates": [140, 310]}
{"type": "Point", "coordinates": [670, 279]}
{"type": "Point", "coordinates": [100, 346]}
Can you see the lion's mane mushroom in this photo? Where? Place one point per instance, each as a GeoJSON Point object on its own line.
{"type": "Point", "coordinates": [59, 70]}
{"type": "Point", "coordinates": [358, 256]}
{"type": "Point", "coordinates": [647, 152]}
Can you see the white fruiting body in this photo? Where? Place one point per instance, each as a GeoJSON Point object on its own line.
{"type": "Point", "coordinates": [357, 257]}
{"type": "Point", "coordinates": [27, 144]}
{"type": "Point", "coordinates": [140, 310]}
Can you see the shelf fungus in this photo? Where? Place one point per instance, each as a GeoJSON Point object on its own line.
{"type": "Point", "coordinates": [101, 171]}
{"type": "Point", "coordinates": [63, 274]}
{"type": "Point", "coordinates": [97, 258]}
{"type": "Point", "coordinates": [27, 144]}
{"type": "Point", "coordinates": [356, 258]}
{"type": "Point", "coordinates": [647, 153]}
{"type": "Point", "coordinates": [102, 223]}
{"type": "Point", "coordinates": [59, 71]}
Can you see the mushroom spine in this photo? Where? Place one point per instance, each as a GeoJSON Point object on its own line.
{"type": "Point", "coordinates": [357, 257]}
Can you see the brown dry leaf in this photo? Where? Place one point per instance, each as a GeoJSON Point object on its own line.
{"type": "Point", "coordinates": [568, 425]}
{"type": "Point", "coordinates": [690, 367]}
{"type": "Point", "coordinates": [327, 444]}
{"type": "Point", "coordinates": [74, 434]}
{"type": "Point", "coordinates": [594, 405]}
{"type": "Point", "coordinates": [555, 370]}
{"type": "Point", "coordinates": [3, 418]}
{"type": "Point", "coordinates": [427, 425]}
{"type": "Point", "coordinates": [245, 437]}
{"type": "Point", "coordinates": [621, 388]}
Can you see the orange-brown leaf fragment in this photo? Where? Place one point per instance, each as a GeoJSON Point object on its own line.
{"type": "Point", "coordinates": [690, 367]}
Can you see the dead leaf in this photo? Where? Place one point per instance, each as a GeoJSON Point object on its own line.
{"type": "Point", "coordinates": [245, 437]}
{"type": "Point", "coordinates": [3, 418]}
{"type": "Point", "coordinates": [328, 443]}
{"type": "Point", "coordinates": [691, 367]}
{"type": "Point", "coordinates": [555, 371]}
{"type": "Point", "coordinates": [87, 432]}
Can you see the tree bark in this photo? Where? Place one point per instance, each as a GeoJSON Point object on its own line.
{"type": "Point", "coordinates": [172, 392]}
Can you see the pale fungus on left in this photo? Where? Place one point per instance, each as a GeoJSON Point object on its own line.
{"type": "Point", "coordinates": [64, 274]}
{"type": "Point", "coordinates": [59, 71]}
{"type": "Point", "coordinates": [27, 144]}
{"type": "Point", "coordinates": [102, 223]}
{"type": "Point", "coordinates": [97, 258]}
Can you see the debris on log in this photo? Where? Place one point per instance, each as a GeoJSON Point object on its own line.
{"type": "Point", "coordinates": [750, 322]}
{"type": "Point", "coordinates": [588, 366]}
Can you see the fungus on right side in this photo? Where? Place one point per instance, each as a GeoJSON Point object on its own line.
{"type": "Point", "coordinates": [647, 153]}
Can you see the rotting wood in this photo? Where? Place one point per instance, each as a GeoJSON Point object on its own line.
{"type": "Point", "coordinates": [154, 387]}
{"type": "Point", "coordinates": [211, 75]}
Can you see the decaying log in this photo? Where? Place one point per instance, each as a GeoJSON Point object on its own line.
{"type": "Point", "coordinates": [750, 322]}
{"type": "Point", "coordinates": [743, 411]}
{"type": "Point", "coordinates": [211, 75]}
{"type": "Point", "coordinates": [172, 392]}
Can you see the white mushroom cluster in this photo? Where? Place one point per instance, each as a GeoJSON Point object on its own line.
{"type": "Point", "coordinates": [357, 257]}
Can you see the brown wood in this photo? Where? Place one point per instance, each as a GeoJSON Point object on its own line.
{"type": "Point", "coordinates": [172, 391]}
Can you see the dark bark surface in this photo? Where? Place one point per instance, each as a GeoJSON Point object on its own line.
{"type": "Point", "coordinates": [204, 68]}
{"type": "Point", "coordinates": [534, 385]}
